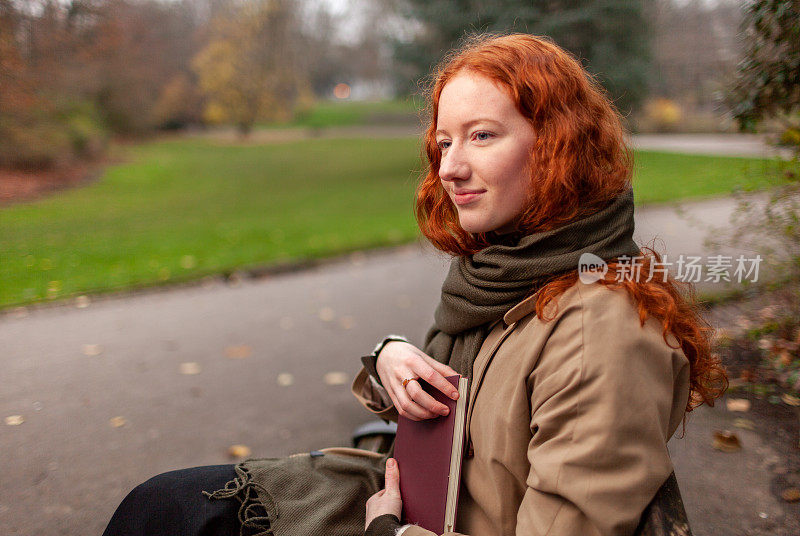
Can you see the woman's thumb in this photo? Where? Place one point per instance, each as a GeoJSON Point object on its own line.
{"type": "Point", "coordinates": [392, 476]}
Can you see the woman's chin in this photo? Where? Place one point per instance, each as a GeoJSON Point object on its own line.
{"type": "Point", "coordinates": [475, 228]}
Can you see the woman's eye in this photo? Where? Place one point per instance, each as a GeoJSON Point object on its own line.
{"type": "Point", "coordinates": [483, 136]}
{"type": "Point", "coordinates": [443, 145]}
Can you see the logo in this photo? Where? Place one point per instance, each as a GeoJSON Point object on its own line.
{"type": "Point", "coordinates": [591, 268]}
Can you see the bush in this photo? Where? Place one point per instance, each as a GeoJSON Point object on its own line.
{"type": "Point", "coordinates": [790, 137]}
{"type": "Point", "coordinates": [33, 144]}
{"type": "Point", "coordinates": [43, 140]}
{"type": "Point", "coordinates": [85, 130]}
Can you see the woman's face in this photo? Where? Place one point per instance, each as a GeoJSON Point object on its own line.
{"type": "Point", "coordinates": [486, 148]}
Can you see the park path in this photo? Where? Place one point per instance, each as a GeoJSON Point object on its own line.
{"type": "Point", "coordinates": [270, 360]}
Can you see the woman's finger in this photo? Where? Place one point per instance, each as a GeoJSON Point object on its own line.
{"type": "Point", "coordinates": [418, 395]}
{"type": "Point", "coordinates": [410, 409]}
{"type": "Point", "coordinates": [436, 379]}
{"type": "Point", "coordinates": [444, 370]}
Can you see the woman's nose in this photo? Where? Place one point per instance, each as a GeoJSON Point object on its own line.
{"type": "Point", "coordinates": [453, 165]}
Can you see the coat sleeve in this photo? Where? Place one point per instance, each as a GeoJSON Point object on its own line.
{"type": "Point", "coordinates": [373, 396]}
{"type": "Point", "coordinates": [606, 395]}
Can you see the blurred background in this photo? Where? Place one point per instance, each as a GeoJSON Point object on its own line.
{"type": "Point", "coordinates": [206, 217]}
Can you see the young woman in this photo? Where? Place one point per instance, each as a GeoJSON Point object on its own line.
{"type": "Point", "coordinates": [576, 387]}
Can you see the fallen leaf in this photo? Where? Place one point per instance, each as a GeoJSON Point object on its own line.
{"type": "Point", "coordinates": [357, 258]}
{"type": "Point", "coordinates": [82, 302]}
{"type": "Point", "coordinates": [764, 343]}
{"type": "Point", "coordinates": [326, 314]}
{"type": "Point", "coordinates": [239, 451]}
{"type": "Point", "coordinates": [285, 379]}
{"type": "Point", "coordinates": [188, 262]}
{"type": "Point", "coordinates": [791, 495]}
{"type": "Point", "coordinates": [789, 399]}
{"type": "Point", "coordinates": [786, 358]}
{"type": "Point", "coordinates": [767, 313]}
{"type": "Point", "coordinates": [748, 376]}
{"type": "Point", "coordinates": [785, 344]}
{"type": "Point", "coordinates": [735, 383]}
{"type": "Point", "coordinates": [92, 349]}
{"type": "Point", "coordinates": [738, 404]}
{"type": "Point", "coordinates": [726, 441]}
{"type": "Point", "coordinates": [347, 322]}
{"type": "Point", "coordinates": [335, 378]}
{"type": "Point", "coordinates": [746, 424]}
{"type": "Point", "coordinates": [234, 279]}
{"type": "Point", "coordinates": [118, 421]}
{"type": "Point", "coordinates": [243, 351]}
{"type": "Point", "coordinates": [190, 367]}
{"type": "Point", "coordinates": [14, 420]}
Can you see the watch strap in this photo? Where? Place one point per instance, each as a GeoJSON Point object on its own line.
{"type": "Point", "coordinates": [370, 361]}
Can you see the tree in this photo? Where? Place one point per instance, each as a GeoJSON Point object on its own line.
{"type": "Point", "coordinates": [767, 81]}
{"type": "Point", "coordinates": [695, 48]}
{"type": "Point", "coordinates": [16, 93]}
{"type": "Point", "coordinates": [248, 70]}
{"type": "Point", "coordinates": [767, 85]}
{"type": "Point", "coordinates": [611, 37]}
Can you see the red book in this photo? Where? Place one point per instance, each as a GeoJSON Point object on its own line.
{"type": "Point", "coordinates": [429, 454]}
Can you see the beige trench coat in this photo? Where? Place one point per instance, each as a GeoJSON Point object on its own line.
{"type": "Point", "coordinates": [568, 420]}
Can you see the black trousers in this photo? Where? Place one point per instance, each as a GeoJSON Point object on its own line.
{"type": "Point", "coordinates": [171, 504]}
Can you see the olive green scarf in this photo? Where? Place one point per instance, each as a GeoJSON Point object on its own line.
{"type": "Point", "coordinates": [481, 288]}
{"type": "Point", "coordinates": [326, 493]}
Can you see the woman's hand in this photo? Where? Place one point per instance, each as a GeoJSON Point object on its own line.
{"type": "Point", "coordinates": [387, 500]}
{"type": "Point", "coordinates": [400, 360]}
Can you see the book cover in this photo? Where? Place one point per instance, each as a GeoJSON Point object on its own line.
{"type": "Point", "coordinates": [429, 454]}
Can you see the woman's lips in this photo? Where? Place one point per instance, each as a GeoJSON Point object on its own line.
{"type": "Point", "coordinates": [463, 199]}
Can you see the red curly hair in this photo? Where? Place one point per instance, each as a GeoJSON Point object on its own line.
{"type": "Point", "coordinates": [580, 161]}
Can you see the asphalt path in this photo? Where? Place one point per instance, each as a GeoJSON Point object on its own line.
{"type": "Point", "coordinates": [117, 389]}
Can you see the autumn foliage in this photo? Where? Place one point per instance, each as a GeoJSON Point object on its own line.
{"type": "Point", "coordinates": [74, 73]}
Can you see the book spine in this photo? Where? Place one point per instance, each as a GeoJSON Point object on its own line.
{"type": "Point", "coordinates": [456, 455]}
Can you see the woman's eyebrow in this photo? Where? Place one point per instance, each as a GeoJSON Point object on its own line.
{"type": "Point", "coordinates": [470, 123]}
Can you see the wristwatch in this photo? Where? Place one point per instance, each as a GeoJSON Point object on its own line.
{"type": "Point", "coordinates": [370, 361]}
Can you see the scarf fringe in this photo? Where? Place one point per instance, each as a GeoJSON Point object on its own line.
{"type": "Point", "coordinates": [253, 513]}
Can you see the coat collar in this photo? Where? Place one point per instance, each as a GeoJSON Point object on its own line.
{"type": "Point", "coordinates": [521, 310]}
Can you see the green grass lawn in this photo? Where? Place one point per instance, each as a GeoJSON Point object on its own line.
{"type": "Point", "coordinates": [182, 209]}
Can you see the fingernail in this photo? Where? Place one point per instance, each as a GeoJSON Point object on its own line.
{"type": "Point", "coordinates": [454, 395]}
{"type": "Point", "coordinates": [445, 411]}
{"type": "Point", "coordinates": [390, 462]}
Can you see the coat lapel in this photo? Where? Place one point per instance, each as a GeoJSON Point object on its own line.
{"type": "Point", "coordinates": [493, 342]}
